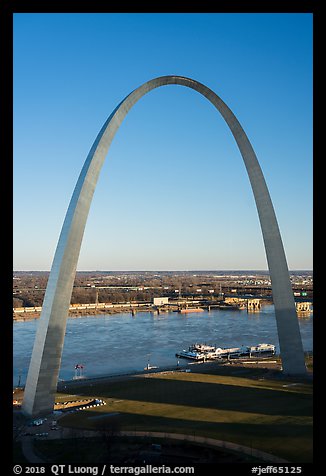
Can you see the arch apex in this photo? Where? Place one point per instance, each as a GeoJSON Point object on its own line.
{"type": "Point", "coordinates": [45, 362]}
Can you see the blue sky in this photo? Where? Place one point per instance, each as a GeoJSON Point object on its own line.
{"type": "Point", "coordinates": [173, 192]}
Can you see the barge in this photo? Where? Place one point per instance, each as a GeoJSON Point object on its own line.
{"type": "Point", "coordinates": [190, 309]}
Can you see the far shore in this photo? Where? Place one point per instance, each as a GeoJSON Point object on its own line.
{"type": "Point", "coordinates": [132, 308]}
{"type": "Point", "coordinates": [28, 316]}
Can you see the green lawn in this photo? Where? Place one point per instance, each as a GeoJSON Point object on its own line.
{"type": "Point", "coordinates": [271, 415]}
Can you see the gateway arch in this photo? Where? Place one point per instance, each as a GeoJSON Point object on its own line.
{"type": "Point", "coordinates": [42, 378]}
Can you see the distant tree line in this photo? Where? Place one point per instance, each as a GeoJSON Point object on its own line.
{"type": "Point", "coordinates": [30, 298]}
{"type": "Point", "coordinates": [89, 287]}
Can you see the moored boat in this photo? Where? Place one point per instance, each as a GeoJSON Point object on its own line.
{"type": "Point", "coordinates": [208, 352]}
{"type": "Point", "coordinates": [191, 355]}
{"type": "Point", "coordinates": [262, 349]}
{"type": "Point", "coordinates": [190, 309]}
{"type": "Point", "coordinates": [202, 347]}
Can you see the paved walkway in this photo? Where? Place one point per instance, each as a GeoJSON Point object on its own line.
{"type": "Point", "coordinates": [211, 442]}
{"type": "Point", "coordinates": [28, 444]}
{"type": "Point", "coordinates": [28, 451]}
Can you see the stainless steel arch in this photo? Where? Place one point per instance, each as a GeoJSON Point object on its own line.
{"type": "Point", "coordinates": [46, 357]}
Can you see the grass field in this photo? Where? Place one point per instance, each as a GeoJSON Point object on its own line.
{"type": "Point", "coordinates": [243, 406]}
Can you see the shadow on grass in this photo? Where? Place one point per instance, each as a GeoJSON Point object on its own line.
{"type": "Point", "coordinates": [130, 451]}
{"type": "Point", "coordinates": [217, 396]}
{"type": "Point", "coordinates": [292, 442]}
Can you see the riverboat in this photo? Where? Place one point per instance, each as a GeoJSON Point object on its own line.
{"type": "Point", "coordinates": [203, 352]}
{"type": "Point", "coordinates": [262, 349]}
{"type": "Point", "coordinates": [191, 355]}
{"type": "Point", "coordinates": [150, 367]}
{"type": "Point", "coordinates": [203, 347]}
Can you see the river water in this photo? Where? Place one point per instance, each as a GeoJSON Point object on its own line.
{"type": "Point", "coordinates": [121, 343]}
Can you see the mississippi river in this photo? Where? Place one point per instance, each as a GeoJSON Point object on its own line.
{"type": "Point", "coordinates": [122, 343]}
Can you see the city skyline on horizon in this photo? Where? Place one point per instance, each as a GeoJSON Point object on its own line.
{"type": "Point", "coordinates": [165, 213]}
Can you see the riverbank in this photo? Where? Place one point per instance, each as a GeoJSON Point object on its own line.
{"type": "Point", "coordinates": [88, 310]}
{"type": "Point", "coordinates": [31, 315]}
{"type": "Point", "coordinates": [270, 367]}
{"type": "Point", "coordinates": [78, 310]}
{"type": "Point", "coordinates": [263, 364]}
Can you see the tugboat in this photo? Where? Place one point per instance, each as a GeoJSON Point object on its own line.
{"type": "Point", "coordinates": [150, 367]}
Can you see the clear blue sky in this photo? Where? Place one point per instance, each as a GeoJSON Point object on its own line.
{"type": "Point", "coordinates": [173, 192]}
